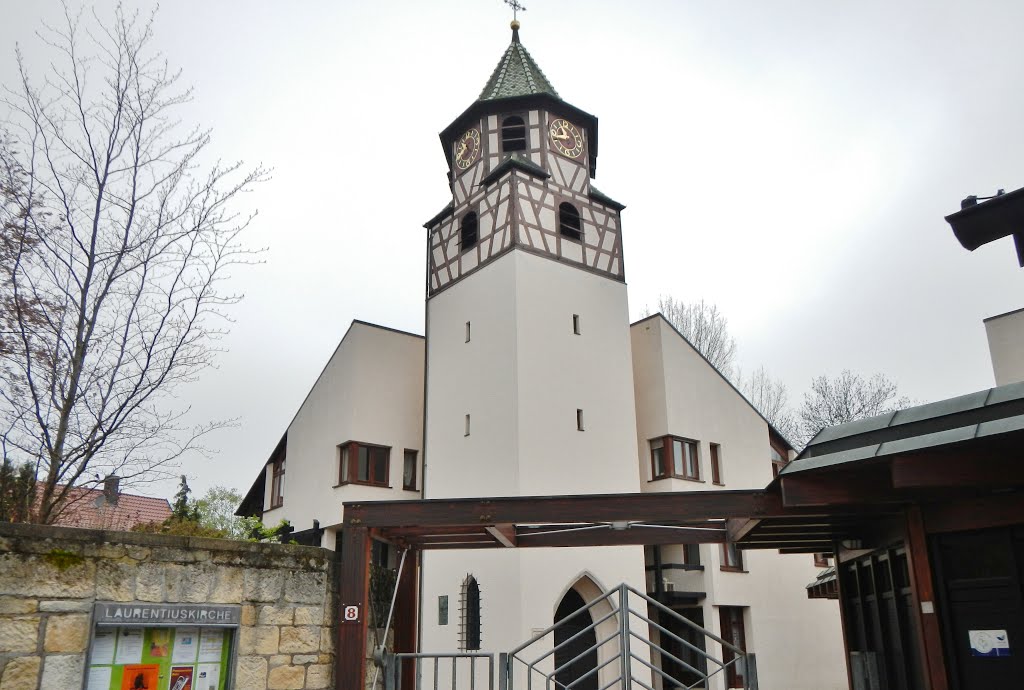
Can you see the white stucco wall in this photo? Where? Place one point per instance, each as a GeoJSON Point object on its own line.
{"type": "Point", "coordinates": [370, 391]}
{"type": "Point", "coordinates": [522, 377]}
{"type": "Point", "coordinates": [1006, 346]}
{"type": "Point", "coordinates": [798, 642]}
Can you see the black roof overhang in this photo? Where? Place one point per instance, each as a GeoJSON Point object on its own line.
{"type": "Point", "coordinates": [503, 105]}
{"type": "Point", "coordinates": [991, 220]}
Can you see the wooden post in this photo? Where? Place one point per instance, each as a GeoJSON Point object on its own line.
{"type": "Point", "coordinates": [932, 659]}
{"type": "Point", "coordinates": [836, 549]}
{"type": "Point", "coordinates": [406, 610]}
{"type": "Point", "coordinates": [353, 611]}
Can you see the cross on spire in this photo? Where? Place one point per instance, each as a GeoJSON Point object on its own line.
{"type": "Point", "coordinates": [516, 7]}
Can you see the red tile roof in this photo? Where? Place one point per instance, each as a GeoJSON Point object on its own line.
{"type": "Point", "coordinates": [88, 508]}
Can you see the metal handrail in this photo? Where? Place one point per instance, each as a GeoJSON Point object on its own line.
{"type": "Point", "coordinates": [625, 613]}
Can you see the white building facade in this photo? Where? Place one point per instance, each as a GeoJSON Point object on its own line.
{"type": "Point", "coordinates": [531, 382]}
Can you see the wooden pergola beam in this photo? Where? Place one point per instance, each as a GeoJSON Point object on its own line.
{"type": "Point", "coordinates": [650, 508]}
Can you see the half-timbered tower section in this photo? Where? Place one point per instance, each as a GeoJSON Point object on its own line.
{"type": "Point", "coordinates": [529, 377]}
{"type": "Point", "coordinates": [521, 163]}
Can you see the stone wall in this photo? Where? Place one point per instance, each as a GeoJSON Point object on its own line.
{"type": "Point", "coordinates": [50, 578]}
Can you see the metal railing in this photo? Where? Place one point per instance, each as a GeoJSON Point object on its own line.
{"type": "Point", "coordinates": [435, 668]}
{"type": "Point", "coordinates": [608, 629]}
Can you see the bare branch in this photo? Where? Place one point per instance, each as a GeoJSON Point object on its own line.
{"type": "Point", "coordinates": [114, 252]}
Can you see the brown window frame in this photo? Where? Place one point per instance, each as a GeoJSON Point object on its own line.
{"type": "Point", "coordinates": [732, 558]}
{"type": "Point", "coordinates": [715, 453]}
{"type": "Point", "coordinates": [415, 455]}
{"type": "Point", "coordinates": [351, 469]}
{"type": "Point", "coordinates": [820, 560]}
{"type": "Point", "coordinates": [469, 231]}
{"type": "Point", "coordinates": [668, 459]}
{"type": "Point", "coordinates": [570, 224]}
{"type": "Point", "coordinates": [514, 135]}
{"type": "Point", "coordinates": [277, 482]}
{"type": "Point", "coordinates": [730, 619]}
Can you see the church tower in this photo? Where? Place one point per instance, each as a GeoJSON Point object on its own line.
{"type": "Point", "coordinates": [529, 377]}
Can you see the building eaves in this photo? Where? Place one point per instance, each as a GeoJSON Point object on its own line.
{"type": "Point", "coordinates": [445, 212]}
{"type": "Point", "coordinates": [515, 161]}
{"type": "Point", "coordinates": [602, 198]}
{"type": "Point", "coordinates": [985, 414]}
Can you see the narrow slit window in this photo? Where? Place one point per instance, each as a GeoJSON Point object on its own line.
{"type": "Point", "coordinates": [569, 221]}
{"type": "Point", "coordinates": [576, 324]}
{"type": "Point", "coordinates": [468, 232]}
{"type": "Point", "coordinates": [513, 134]}
{"type": "Point", "coordinates": [467, 426]}
{"type": "Point", "coordinates": [579, 420]}
{"type": "Point", "coordinates": [409, 470]}
{"type": "Point", "coordinates": [469, 331]}
{"type": "Point", "coordinates": [716, 464]}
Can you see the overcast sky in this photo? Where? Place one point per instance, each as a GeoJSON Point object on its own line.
{"type": "Point", "coordinates": [790, 161]}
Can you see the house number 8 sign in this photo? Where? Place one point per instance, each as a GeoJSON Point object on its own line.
{"type": "Point", "coordinates": [350, 613]}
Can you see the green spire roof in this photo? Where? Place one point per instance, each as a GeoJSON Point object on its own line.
{"type": "Point", "coordinates": [516, 74]}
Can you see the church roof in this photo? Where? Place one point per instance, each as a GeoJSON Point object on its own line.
{"type": "Point", "coordinates": [517, 74]}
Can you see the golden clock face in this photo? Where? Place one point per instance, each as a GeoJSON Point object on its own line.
{"type": "Point", "coordinates": [467, 149]}
{"type": "Point", "coordinates": [566, 139]}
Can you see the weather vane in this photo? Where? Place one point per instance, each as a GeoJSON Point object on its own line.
{"type": "Point", "coordinates": [516, 7]}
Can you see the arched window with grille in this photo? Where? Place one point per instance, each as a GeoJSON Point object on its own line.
{"type": "Point", "coordinates": [569, 222]}
{"type": "Point", "coordinates": [469, 623]}
{"type": "Point", "coordinates": [468, 232]}
{"type": "Point", "coordinates": [513, 134]}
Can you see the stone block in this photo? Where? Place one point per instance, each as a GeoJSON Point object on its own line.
{"type": "Point", "coordinates": [248, 614]}
{"type": "Point", "coordinates": [21, 673]}
{"type": "Point", "coordinates": [327, 640]}
{"type": "Point", "coordinates": [230, 586]}
{"type": "Point", "coordinates": [34, 576]}
{"type": "Point", "coordinates": [68, 633]}
{"type": "Point", "coordinates": [263, 585]}
{"type": "Point", "coordinates": [299, 659]}
{"type": "Point", "coordinates": [138, 553]}
{"type": "Point", "coordinates": [246, 640]}
{"type": "Point", "coordinates": [64, 671]}
{"type": "Point", "coordinates": [115, 580]}
{"type": "Point", "coordinates": [16, 605]}
{"type": "Point", "coordinates": [267, 639]}
{"type": "Point", "coordinates": [286, 678]}
{"type": "Point", "coordinates": [276, 615]}
{"type": "Point", "coordinates": [176, 582]}
{"type": "Point", "coordinates": [199, 584]}
{"type": "Point", "coordinates": [65, 606]}
{"type": "Point", "coordinates": [149, 582]}
{"type": "Point", "coordinates": [280, 660]}
{"type": "Point", "coordinates": [18, 633]}
{"type": "Point", "coordinates": [309, 615]}
{"type": "Point", "coordinates": [252, 673]}
{"type": "Point", "coordinates": [318, 677]}
{"type": "Point", "coordinates": [305, 588]}
{"type": "Point", "coordinates": [300, 640]}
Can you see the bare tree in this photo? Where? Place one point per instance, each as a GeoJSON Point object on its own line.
{"type": "Point", "coordinates": [705, 327]}
{"type": "Point", "coordinates": [771, 398]}
{"type": "Point", "coordinates": [846, 398]}
{"type": "Point", "coordinates": [116, 298]}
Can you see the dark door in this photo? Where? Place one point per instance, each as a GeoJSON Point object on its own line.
{"type": "Point", "coordinates": [983, 612]}
{"type": "Point", "coordinates": [572, 638]}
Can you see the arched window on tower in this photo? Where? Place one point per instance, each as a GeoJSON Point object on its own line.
{"type": "Point", "coordinates": [513, 134]}
{"type": "Point", "coordinates": [569, 222]}
{"type": "Point", "coordinates": [469, 623]}
{"type": "Point", "coordinates": [468, 232]}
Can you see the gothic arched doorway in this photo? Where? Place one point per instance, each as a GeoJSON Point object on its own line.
{"type": "Point", "coordinates": [564, 653]}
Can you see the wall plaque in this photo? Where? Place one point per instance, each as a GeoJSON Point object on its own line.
{"type": "Point", "coordinates": [121, 613]}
